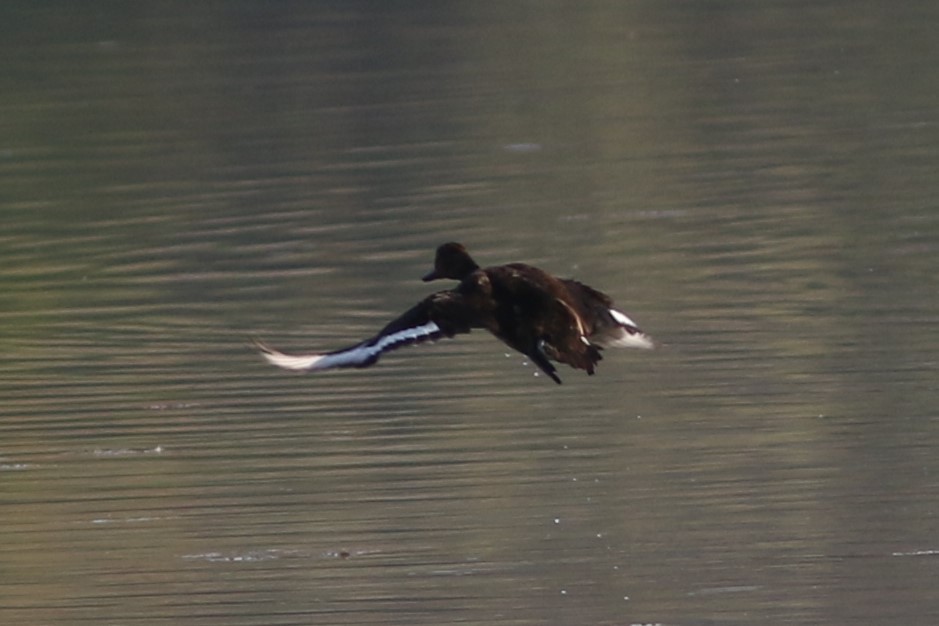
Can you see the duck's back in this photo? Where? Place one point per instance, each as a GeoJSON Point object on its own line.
{"type": "Point", "coordinates": [536, 313]}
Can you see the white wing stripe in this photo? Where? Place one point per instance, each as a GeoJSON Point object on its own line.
{"type": "Point", "coordinates": [621, 318]}
{"type": "Point", "coordinates": [629, 335]}
{"type": "Point", "coordinates": [408, 334]}
{"type": "Point", "coordinates": [356, 355]}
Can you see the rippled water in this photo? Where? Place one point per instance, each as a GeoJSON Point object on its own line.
{"type": "Point", "coordinates": [755, 186]}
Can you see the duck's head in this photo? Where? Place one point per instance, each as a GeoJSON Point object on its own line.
{"type": "Point", "coordinates": [452, 261]}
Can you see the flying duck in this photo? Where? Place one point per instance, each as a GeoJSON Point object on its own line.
{"type": "Point", "coordinates": [544, 317]}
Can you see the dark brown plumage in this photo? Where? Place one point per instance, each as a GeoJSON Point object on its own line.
{"type": "Point", "coordinates": [543, 317]}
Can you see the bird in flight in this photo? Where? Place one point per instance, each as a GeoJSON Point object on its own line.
{"type": "Point", "coordinates": [544, 317]}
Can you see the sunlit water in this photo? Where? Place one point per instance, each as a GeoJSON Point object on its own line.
{"type": "Point", "coordinates": [755, 187]}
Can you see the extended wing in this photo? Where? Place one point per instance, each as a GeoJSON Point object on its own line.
{"type": "Point", "coordinates": [443, 314]}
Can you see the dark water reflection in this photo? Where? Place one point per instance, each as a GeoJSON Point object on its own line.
{"type": "Point", "coordinates": [758, 193]}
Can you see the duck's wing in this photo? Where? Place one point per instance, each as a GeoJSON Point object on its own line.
{"type": "Point", "coordinates": [443, 314]}
{"type": "Point", "coordinates": [611, 327]}
{"type": "Point", "coordinates": [587, 292]}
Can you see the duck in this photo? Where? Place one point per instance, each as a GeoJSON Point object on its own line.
{"type": "Point", "coordinates": [546, 318]}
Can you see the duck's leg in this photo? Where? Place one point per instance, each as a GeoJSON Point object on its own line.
{"type": "Point", "coordinates": [541, 360]}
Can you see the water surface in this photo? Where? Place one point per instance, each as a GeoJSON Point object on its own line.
{"type": "Point", "coordinates": [754, 185]}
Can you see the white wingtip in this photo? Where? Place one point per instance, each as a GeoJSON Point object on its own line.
{"type": "Point", "coordinates": [633, 340]}
{"type": "Point", "coordinates": [629, 336]}
{"type": "Point", "coordinates": [297, 363]}
{"type": "Point", "coordinates": [622, 319]}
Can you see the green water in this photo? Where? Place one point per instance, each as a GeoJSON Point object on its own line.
{"type": "Point", "coordinates": [755, 185]}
